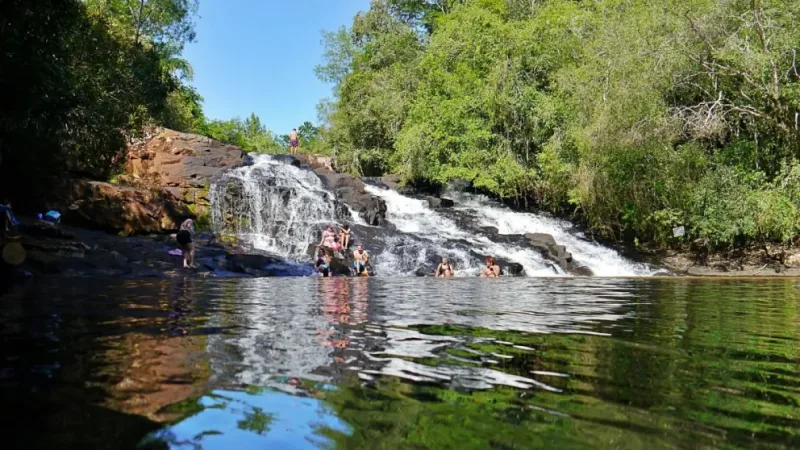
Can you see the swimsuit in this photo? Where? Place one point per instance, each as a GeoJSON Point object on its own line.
{"type": "Point", "coordinates": [360, 264]}
{"type": "Point", "coordinates": [328, 239]}
{"type": "Point", "coordinates": [293, 142]}
{"type": "Point", "coordinates": [184, 237]}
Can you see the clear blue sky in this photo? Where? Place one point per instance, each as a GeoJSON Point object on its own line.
{"type": "Point", "coordinates": [259, 56]}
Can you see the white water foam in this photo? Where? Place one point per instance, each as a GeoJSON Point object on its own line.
{"type": "Point", "coordinates": [414, 216]}
{"type": "Point", "coordinates": [276, 207]}
{"type": "Point", "coordinates": [603, 261]}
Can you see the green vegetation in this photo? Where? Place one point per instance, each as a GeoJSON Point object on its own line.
{"type": "Point", "coordinates": [83, 77]}
{"type": "Point", "coordinates": [633, 116]}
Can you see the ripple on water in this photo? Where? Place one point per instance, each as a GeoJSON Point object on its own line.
{"type": "Point", "coordinates": [394, 363]}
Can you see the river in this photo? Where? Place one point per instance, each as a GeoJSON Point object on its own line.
{"type": "Point", "coordinates": [386, 363]}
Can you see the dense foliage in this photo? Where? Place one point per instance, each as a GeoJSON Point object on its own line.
{"type": "Point", "coordinates": [77, 80]}
{"type": "Point", "coordinates": [80, 78]}
{"type": "Point", "coordinates": [634, 116]}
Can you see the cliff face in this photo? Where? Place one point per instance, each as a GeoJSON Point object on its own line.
{"type": "Point", "coordinates": [166, 179]}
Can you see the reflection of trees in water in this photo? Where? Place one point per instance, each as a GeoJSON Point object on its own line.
{"type": "Point", "coordinates": [692, 364]}
{"type": "Point", "coordinates": [111, 362]}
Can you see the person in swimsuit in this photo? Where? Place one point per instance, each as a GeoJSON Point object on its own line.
{"type": "Point", "coordinates": [344, 236]}
{"type": "Point", "coordinates": [184, 238]}
{"type": "Point", "coordinates": [492, 269]}
{"type": "Point", "coordinates": [360, 260]}
{"type": "Point", "coordinates": [444, 270]}
{"type": "Point", "coordinates": [323, 263]}
{"type": "Point", "coordinates": [328, 238]}
{"type": "Point", "coordinates": [294, 141]}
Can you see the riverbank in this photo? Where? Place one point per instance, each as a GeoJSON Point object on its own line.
{"type": "Point", "coordinates": [169, 175]}
{"type": "Point", "coordinates": [66, 251]}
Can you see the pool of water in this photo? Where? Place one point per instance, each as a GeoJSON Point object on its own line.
{"type": "Point", "coordinates": [403, 363]}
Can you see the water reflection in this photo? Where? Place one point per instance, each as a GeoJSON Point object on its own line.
{"type": "Point", "coordinates": [382, 363]}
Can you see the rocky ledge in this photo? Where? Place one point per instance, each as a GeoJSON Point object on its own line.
{"type": "Point", "coordinates": [68, 251]}
{"type": "Point", "coordinates": [167, 178]}
{"type": "Point", "coordinates": [348, 189]}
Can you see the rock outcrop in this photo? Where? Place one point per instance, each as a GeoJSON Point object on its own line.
{"type": "Point", "coordinates": [439, 202]}
{"type": "Point", "coordinates": [116, 208]}
{"type": "Point", "coordinates": [547, 246]}
{"type": "Point", "coordinates": [167, 177]}
{"type": "Point", "coordinates": [182, 164]}
{"type": "Point", "coordinates": [347, 188]}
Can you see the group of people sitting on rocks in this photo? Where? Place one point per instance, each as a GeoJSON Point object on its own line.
{"type": "Point", "coordinates": [336, 241]}
{"type": "Point", "coordinates": [332, 243]}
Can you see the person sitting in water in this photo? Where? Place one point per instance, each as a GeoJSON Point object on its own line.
{"type": "Point", "coordinates": [444, 269]}
{"type": "Point", "coordinates": [184, 238]}
{"type": "Point", "coordinates": [492, 269]}
{"type": "Point", "coordinates": [344, 236]}
{"type": "Point", "coordinates": [328, 237]}
{"type": "Point", "coordinates": [360, 260]}
{"type": "Point", "coordinates": [323, 263]}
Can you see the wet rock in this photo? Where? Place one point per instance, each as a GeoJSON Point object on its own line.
{"type": "Point", "coordinates": [423, 272]}
{"type": "Point", "coordinates": [256, 265]}
{"type": "Point", "coordinates": [492, 231]}
{"type": "Point", "coordinates": [287, 159]}
{"type": "Point", "coordinates": [541, 241]}
{"type": "Point", "coordinates": [439, 202]}
{"type": "Point", "coordinates": [372, 209]}
{"type": "Point", "coordinates": [549, 249]}
{"type": "Point", "coordinates": [515, 269]}
{"type": "Point", "coordinates": [581, 270]}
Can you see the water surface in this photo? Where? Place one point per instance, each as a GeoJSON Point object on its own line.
{"type": "Point", "coordinates": [403, 363]}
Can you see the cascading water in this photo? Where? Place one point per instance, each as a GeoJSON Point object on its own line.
{"type": "Point", "coordinates": [279, 208]}
{"type": "Point", "coordinates": [412, 215]}
{"type": "Point", "coordinates": [603, 261]}
{"type": "Point", "coordinates": [276, 207]}
{"type": "Point", "coordinates": [440, 236]}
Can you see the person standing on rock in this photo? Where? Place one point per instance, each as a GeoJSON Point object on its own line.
{"type": "Point", "coordinates": [294, 141]}
{"type": "Point", "coordinates": [184, 238]}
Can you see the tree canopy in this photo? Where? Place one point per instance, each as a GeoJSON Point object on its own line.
{"type": "Point", "coordinates": [633, 116]}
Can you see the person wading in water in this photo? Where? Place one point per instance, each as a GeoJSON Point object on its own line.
{"type": "Point", "coordinates": [492, 269]}
{"type": "Point", "coordinates": [444, 269]}
{"type": "Point", "coordinates": [294, 141]}
{"type": "Point", "coordinates": [184, 238]}
{"type": "Point", "coordinates": [360, 260]}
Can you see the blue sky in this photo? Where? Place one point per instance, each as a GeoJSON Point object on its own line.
{"type": "Point", "coordinates": [259, 56]}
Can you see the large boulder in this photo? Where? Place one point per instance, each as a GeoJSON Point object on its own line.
{"type": "Point", "coordinates": [548, 248]}
{"type": "Point", "coordinates": [439, 202]}
{"type": "Point", "coordinates": [182, 164]}
{"type": "Point", "coordinates": [348, 189]}
{"type": "Point", "coordinates": [111, 207]}
{"type": "Point", "coordinates": [167, 178]}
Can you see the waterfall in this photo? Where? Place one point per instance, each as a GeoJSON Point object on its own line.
{"type": "Point", "coordinates": [275, 207]}
{"type": "Point", "coordinates": [279, 208]}
{"type": "Point", "coordinates": [602, 260]}
{"type": "Point", "coordinates": [441, 236]}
